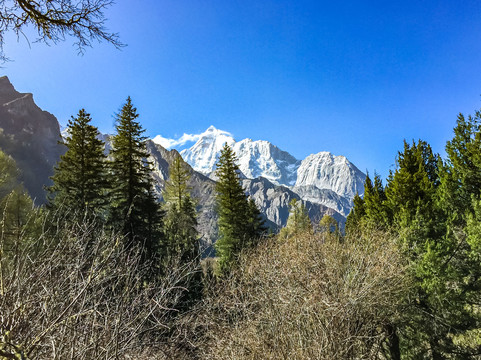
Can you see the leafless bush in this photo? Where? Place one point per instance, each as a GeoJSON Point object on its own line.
{"type": "Point", "coordinates": [77, 294]}
{"type": "Point", "coordinates": [310, 297]}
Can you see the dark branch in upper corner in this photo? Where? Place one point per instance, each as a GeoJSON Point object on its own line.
{"type": "Point", "coordinates": [55, 20]}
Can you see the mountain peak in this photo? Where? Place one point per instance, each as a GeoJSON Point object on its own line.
{"type": "Point", "coordinates": [203, 155]}
{"type": "Point", "coordinates": [7, 90]}
{"type": "Point", "coordinates": [212, 131]}
{"type": "Point", "coordinates": [327, 171]}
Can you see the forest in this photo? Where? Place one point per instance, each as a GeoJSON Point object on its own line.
{"type": "Point", "coordinates": [106, 270]}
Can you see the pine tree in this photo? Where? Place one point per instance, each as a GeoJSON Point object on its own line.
{"type": "Point", "coordinates": [80, 180]}
{"type": "Point", "coordinates": [376, 211]}
{"type": "Point", "coordinates": [181, 236]}
{"type": "Point", "coordinates": [461, 175]}
{"type": "Point", "coordinates": [439, 260]}
{"type": "Point", "coordinates": [134, 210]}
{"type": "Point", "coordinates": [238, 222]}
{"type": "Point", "coordinates": [8, 174]}
{"type": "Point", "coordinates": [256, 228]}
{"type": "Point", "coordinates": [410, 195]}
{"type": "Point", "coordinates": [328, 225]}
{"type": "Point", "coordinates": [357, 213]}
{"type": "Point", "coordinates": [298, 220]}
{"type": "Point", "coordinates": [18, 217]}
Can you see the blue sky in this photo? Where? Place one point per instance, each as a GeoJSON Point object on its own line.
{"type": "Point", "coordinates": [354, 78]}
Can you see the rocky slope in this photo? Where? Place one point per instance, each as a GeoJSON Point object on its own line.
{"type": "Point", "coordinates": [326, 171]}
{"type": "Point", "coordinates": [30, 135]}
{"type": "Point", "coordinates": [322, 178]}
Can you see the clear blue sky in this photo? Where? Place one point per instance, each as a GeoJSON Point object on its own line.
{"type": "Point", "coordinates": [354, 77]}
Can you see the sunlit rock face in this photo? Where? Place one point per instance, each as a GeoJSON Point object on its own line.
{"type": "Point", "coordinates": [322, 178]}
{"type": "Point", "coordinates": [326, 171]}
{"type": "Point", "coordinates": [30, 135]}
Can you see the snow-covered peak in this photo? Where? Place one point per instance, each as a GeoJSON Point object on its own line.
{"type": "Point", "coordinates": [326, 171]}
{"type": "Point", "coordinates": [255, 158]}
{"type": "Point", "coordinates": [203, 155]}
{"type": "Point", "coordinates": [261, 158]}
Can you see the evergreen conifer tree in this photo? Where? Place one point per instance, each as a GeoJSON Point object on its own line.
{"type": "Point", "coordinates": [329, 225]}
{"type": "Point", "coordinates": [255, 223]}
{"type": "Point", "coordinates": [181, 236]}
{"type": "Point", "coordinates": [298, 220]}
{"type": "Point", "coordinates": [238, 222]}
{"type": "Point", "coordinates": [80, 181]}
{"type": "Point", "coordinates": [8, 174]}
{"type": "Point", "coordinates": [440, 309]}
{"type": "Point", "coordinates": [376, 213]}
{"type": "Point", "coordinates": [134, 210]}
{"type": "Point", "coordinates": [357, 213]}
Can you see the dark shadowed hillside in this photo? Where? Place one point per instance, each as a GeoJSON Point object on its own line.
{"type": "Point", "coordinates": [30, 135]}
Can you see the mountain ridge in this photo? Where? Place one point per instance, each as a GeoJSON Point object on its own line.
{"type": "Point", "coordinates": [260, 158]}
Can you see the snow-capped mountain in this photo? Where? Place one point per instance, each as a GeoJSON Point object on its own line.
{"type": "Point", "coordinates": [336, 173]}
{"type": "Point", "coordinates": [262, 159]}
{"type": "Point", "coordinates": [321, 178]}
{"type": "Point", "coordinates": [203, 155]}
{"type": "Point", "coordinates": [255, 158]}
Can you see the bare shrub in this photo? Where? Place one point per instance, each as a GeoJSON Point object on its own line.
{"type": "Point", "coordinates": [309, 297]}
{"type": "Point", "coordinates": [77, 294]}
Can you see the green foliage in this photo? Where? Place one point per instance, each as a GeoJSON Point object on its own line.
{"type": "Point", "coordinates": [434, 210]}
{"type": "Point", "coordinates": [255, 222]}
{"type": "Point", "coordinates": [371, 211]}
{"type": "Point", "coordinates": [80, 180]}
{"type": "Point", "coordinates": [377, 214]}
{"type": "Point", "coordinates": [19, 220]}
{"type": "Point", "coordinates": [357, 213]}
{"type": "Point", "coordinates": [8, 174]}
{"type": "Point", "coordinates": [134, 210]}
{"type": "Point", "coordinates": [181, 236]}
{"type": "Point", "coordinates": [328, 225]}
{"type": "Point", "coordinates": [239, 221]}
{"type": "Point", "coordinates": [298, 220]}
{"type": "Point", "coordinates": [461, 174]}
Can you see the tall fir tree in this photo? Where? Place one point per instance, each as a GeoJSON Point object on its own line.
{"type": "Point", "coordinates": [134, 209]}
{"type": "Point", "coordinates": [182, 240]}
{"type": "Point", "coordinates": [8, 174]}
{"type": "Point", "coordinates": [329, 225]}
{"type": "Point", "coordinates": [435, 208]}
{"type": "Point", "coordinates": [298, 220]}
{"type": "Point", "coordinates": [181, 236]}
{"type": "Point", "coordinates": [18, 217]}
{"type": "Point", "coordinates": [256, 227]}
{"type": "Point", "coordinates": [357, 213]}
{"type": "Point", "coordinates": [239, 222]}
{"type": "Point", "coordinates": [461, 174]}
{"type": "Point", "coordinates": [80, 181]}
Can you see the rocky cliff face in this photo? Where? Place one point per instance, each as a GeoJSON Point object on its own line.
{"type": "Point", "coordinates": [262, 159]}
{"type": "Point", "coordinates": [273, 200]}
{"type": "Point", "coordinates": [30, 135]}
{"type": "Point", "coordinates": [326, 171]}
{"type": "Point", "coordinates": [322, 178]}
